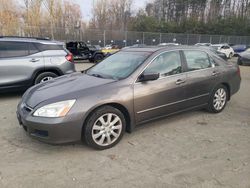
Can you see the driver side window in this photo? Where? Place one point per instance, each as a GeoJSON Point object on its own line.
{"type": "Point", "coordinates": [166, 64]}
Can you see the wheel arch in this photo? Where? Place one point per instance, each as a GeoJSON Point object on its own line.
{"type": "Point", "coordinates": [40, 71]}
{"type": "Point", "coordinates": [228, 89]}
{"type": "Point", "coordinates": [122, 108]}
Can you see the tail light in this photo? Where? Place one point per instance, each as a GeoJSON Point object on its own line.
{"type": "Point", "coordinates": [70, 57]}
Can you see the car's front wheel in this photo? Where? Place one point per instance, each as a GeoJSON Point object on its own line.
{"type": "Point", "coordinates": [104, 128]}
{"type": "Point", "coordinates": [218, 99]}
{"type": "Point", "coordinates": [230, 55]}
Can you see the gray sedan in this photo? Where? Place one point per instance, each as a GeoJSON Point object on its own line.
{"type": "Point", "coordinates": [133, 86]}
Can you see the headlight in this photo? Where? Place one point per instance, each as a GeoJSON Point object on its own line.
{"type": "Point", "coordinates": [59, 109]}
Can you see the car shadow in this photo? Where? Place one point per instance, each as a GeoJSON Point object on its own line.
{"type": "Point", "coordinates": [8, 95]}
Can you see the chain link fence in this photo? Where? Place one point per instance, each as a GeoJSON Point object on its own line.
{"type": "Point", "coordinates": [126, 38]}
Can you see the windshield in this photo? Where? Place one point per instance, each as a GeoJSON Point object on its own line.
{"type": "Point", "coordinates": [119, 65]}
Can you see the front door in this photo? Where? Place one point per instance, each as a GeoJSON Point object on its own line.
{"type": "Point", "coordinates": [164, 96]}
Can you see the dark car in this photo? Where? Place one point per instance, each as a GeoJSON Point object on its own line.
{"type": "Point", "coordinates": [82, 51]}
{"type": "Point", "coordinates": [28, 61]}
{"type": "Point", "coordinates": [131, 87]}
{"type": "Point", "coordinates": [244, 57]}
{"type": "Point", "coordinates": [239, 48]}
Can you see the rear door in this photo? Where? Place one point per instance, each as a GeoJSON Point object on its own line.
{"type": "Point", "coordinates": [202, 76]}
{"type": "Point", "coordinates": [18, 61]}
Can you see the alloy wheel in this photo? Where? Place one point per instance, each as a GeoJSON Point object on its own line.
{"type": "Point", "coordinates": [220, 98]}
{"type": "Point", "coordinates": [45, 79]}
{"type": "Point", "coordinates": [107, 129]}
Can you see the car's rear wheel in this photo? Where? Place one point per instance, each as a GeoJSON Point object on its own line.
{"type": "Point", "coordinates": [218, 99]}
{"type": "Point", "coordinates": [44, 77]}
{"type": "Point", "coordinates": [98, 58]}
{"type": "Point", "coordinates": [104, 128]}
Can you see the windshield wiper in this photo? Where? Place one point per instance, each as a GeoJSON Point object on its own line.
{"type": "Point", "coordinates": [97, 75]}
{"type": "Point", "coordinates": [102, 76]}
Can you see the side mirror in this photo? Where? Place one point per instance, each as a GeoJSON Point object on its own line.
{"type": "Point", "coordinates": [148, 77]}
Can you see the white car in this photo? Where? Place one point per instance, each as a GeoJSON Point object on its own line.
{"type": "Point", "coordinates": [168, 44]}
{"type": "Point", "coordinates": [225, 49]}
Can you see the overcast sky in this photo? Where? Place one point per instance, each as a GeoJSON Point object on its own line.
{"type": "Point", "coordinates": [86, 6]}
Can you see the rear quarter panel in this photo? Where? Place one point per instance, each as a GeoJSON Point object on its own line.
{"type": "Point", "coordinates": [56, 59]}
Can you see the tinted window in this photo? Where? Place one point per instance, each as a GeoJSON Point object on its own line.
{"type": "Point", "coordinates": [14, 49]}
{"type": "Point", "coordinates": [45, 47]}
{"type": "Point", "coordinates": [166, 64]}
{"type": "Point", "coordinates": [225, 47]}
{"type": "Point", "coordinates": [32, 49]}
{"type": "Point", "coordinates": [197, 60]}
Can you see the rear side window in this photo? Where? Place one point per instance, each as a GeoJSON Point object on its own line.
{"type": "Point", "coordinates": [10, 49]}
{"type": "Point", "coordinates": [45, 47]}
{"type": "Point", "coordinates": [13, 49]}
{"type": "Point", "coordinates": [197, 60]}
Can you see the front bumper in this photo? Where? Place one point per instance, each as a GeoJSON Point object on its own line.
{"type": "Point", "coordinates": [50, 130]}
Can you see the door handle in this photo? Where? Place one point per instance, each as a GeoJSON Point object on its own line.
{"type": "Point", "coordinates": [34, 60]}
{"type": "Point", "coordinates": [215, 73]}
{"type": "Point", "coordinates": [179, 82]}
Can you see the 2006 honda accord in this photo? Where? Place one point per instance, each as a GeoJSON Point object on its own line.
{"type": "Point", "coordinates": [132, 87]}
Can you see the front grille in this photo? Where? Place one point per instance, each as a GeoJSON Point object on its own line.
{"type": "Point", "coordinates": [41, 133]}
{"type": "Point", "coordinates": [27, 109]}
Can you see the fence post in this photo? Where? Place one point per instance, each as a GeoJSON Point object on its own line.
{"type": "Point", "coordinates": [187, 38]}
{"type": "Point", "coordinates": [160, 38]}
{"type": "Point", "coordinates": [126, 38]}
{"type": "Point", "coordinates": [104, 38]}
{"type": "Point", "coordinates": [143, 37]}
{"type": "Point", "coordinates": [199, 39]}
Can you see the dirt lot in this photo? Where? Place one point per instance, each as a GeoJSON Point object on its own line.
{"type": "Point", "coordinates": [194, 149]}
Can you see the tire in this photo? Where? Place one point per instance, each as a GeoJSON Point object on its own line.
{"type": "Point", "coordinates": [239, 62]}
{"type": "Point", "coordinates": [104, 136]}
{"type": "Point", "coordinates": [230, 56]}
{"type": "Point", "coordinates": [98, 58]}
{"type": "Point", "coordinates": [221, 94]}
{"type": "Point", "coordinates": [45, 76]}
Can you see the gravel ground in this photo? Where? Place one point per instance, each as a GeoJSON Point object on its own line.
{"type": "Point", "coordinates": [194, 149]}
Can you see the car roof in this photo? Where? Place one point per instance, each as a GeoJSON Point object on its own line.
{"type": "Point", "coordinates": [220, 44]}
{"type": "Point", "coordinates": [29, 39]}
{"type": "Point", "coordinates": [153, 49]}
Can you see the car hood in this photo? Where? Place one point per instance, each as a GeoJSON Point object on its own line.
{"type": "Point", "coordinates": [69, 86]}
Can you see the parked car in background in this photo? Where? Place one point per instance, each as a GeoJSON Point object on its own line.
{"type": "Point", "coordinates": [203, 44]}
{"type": "Point", "coordinates": [244, 57]}
{"type": "Point", "coordinates": [110, 49]}
{"type": "Point", "coordinates": [131, 87]}
{"type": "Point", "coordinates": [82, 51]}
{"type": "Point", "coordinates": [220, 54]}
{"type": "Point", "coordinates": [239, 48]}
{"type": "Point", "coordinates": [169, 44]}
{"type": "Point", "coordinates": [224, 48]}
{"type": "Point", "coordinates": [28, 61]}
